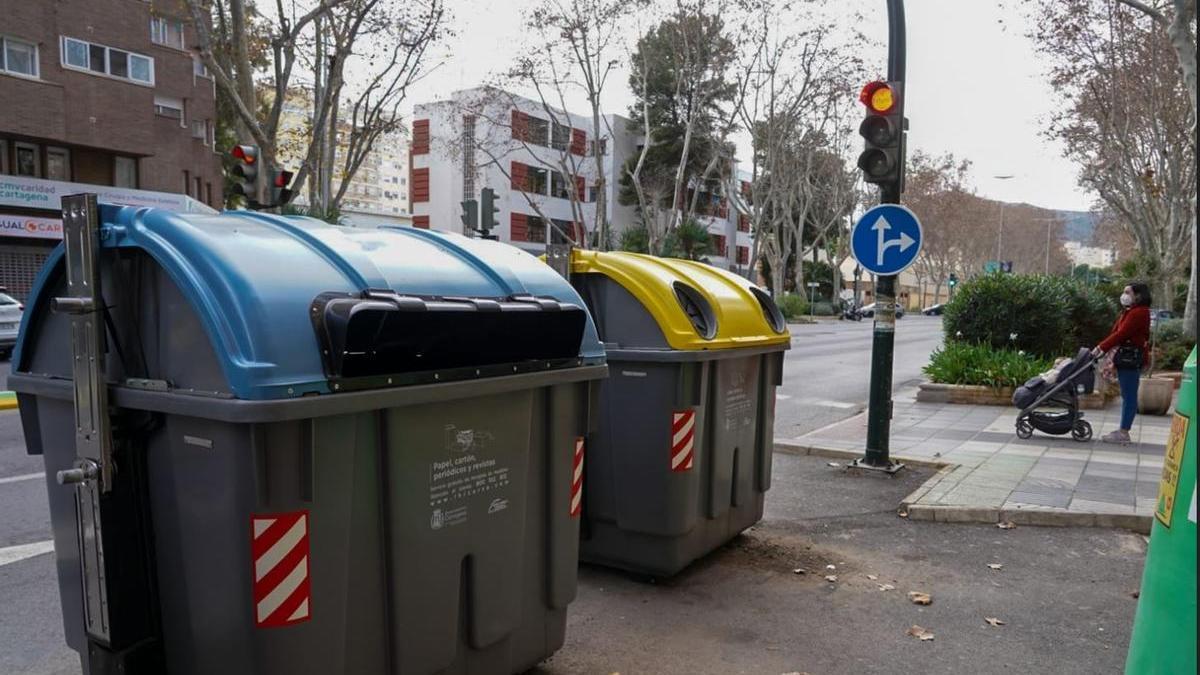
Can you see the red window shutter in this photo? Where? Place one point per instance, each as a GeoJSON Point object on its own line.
{"type": "Point", "coordinates": [421, 222]}
{"type": "Point", "coordinates": [519, 227]}
{"type": "Point", "coordinates": [743, 255]}
{"type": "Point", "coordinates": [519, 176]}
{"type": "Point", "coordinates": [578, 142]}
{"type": "Point", "coordinates": [719, 240]}
{"type": "Point", "coordinates": [743, 222]}
{"type": "Point", "coordinates": [520, 125]}
{"type": "Point", "coordinates": [420, 137]}
{"type": "Point", "coordinates": [420, 185]}
{"type": "Point", "coordinates": [580, 189]}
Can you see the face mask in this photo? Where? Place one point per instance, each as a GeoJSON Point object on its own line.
{"type": "Point", "coordinates": [1126, 299]}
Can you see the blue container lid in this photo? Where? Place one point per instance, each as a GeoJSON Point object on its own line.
{"type": "Point", "coordinates": [252, 277]}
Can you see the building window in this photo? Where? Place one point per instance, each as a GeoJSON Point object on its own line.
{"type": "Point", "coordinates": [200, 130]}
{"type": "Point", "coordinates": [199, 183]}
{"type": "Point", "coordinates": [536, 180]}
{"type": "Point", "coordinates": [559, 186]}
{"type": "Point", "coordinates": [18, 57]}
{"type": "Point", "coordinates": [27, 161]}
{"type": "Point", "coordinates": [164, 31]}
{"type": "Point", "coordinates": [124, 172]}
{"type": "Point", "coordinates": [536, 230]}
{"type": "Point", "coordinates": [3, 156]}
{"type": "Point", "coordinates": [58, 164]}
{"type": "Point", "coordinates": [80, 55]}
{"type": "Point", "coordinates": [198, 68]}
{"type": "Point", "coordinates": [561, 138]}
{"type": "Point", "coordinates": [187, 182]}
{"type": "Point", "coordinates": [169, 107]}
{"type": "Point", "coordinates": [602, 144]}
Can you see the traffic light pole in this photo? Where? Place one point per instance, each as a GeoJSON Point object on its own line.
{"type": "Point", "coordinates": [883, 345]}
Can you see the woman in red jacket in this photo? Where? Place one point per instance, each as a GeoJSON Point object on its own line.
{"type": "Point", "coordinates": [1131, 331]}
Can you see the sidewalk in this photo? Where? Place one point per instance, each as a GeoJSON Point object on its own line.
{"type": "Point", "coordinates": [989, 475]}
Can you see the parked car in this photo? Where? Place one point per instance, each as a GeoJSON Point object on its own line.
{"type": "Point", "coordinates": [1157, 315]}
{"type": "Point", "coordinates": [10, 321]}
{"type": "Point", "coordinates": [869, 311]}
{"type": "Point", "coordinates": [934, 310]}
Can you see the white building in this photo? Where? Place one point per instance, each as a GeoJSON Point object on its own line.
{"type": "Point", "coordinates": [540, 162]}
{"type": "Point", "coordinates": [1092, 256]}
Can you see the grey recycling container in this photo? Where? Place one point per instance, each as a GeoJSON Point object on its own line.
{"type": "Point", "coordinates": [305, 448]}
{"type": "Point", "coordinates": [680, 461]}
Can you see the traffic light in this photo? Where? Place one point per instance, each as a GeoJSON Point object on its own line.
{"type": "Point", "coordinates": [470, 215]}
{"type": "Point", "coordinates": [280, 192]}
{"type": "Point", "coordinates": [953, 281]}
{"type": "Point", "coordinates": [245, 173]}
{"type": "Point", "coordinates": [882, 161]}
{"type": "Point", "coordinates": [1006, 267]}
{"type": "Point", "coordinates": [487, 212]}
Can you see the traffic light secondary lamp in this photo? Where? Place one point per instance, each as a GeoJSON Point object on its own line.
{"type": "Point", "coordinates": [246, 172]}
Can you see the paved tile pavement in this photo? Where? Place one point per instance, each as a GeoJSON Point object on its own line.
{"type": "Point", "coordinates": [990, 474]}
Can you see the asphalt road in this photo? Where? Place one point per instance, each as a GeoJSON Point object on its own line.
{"type": "Point", "coordinates": [826, 374]}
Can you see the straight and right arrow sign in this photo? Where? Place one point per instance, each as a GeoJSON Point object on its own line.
{"type": "Point", "coordinates": [887, 239]}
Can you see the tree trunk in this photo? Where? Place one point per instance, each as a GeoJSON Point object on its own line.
{"type": "Point", "coordinates": [1189, 309]}
{"type": "Point", "coordinates": [777, 275]}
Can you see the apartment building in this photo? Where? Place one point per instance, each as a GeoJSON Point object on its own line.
{"type": "Point", "coordinates": [99, 96]}
{"type": "Point", "coordinates": [541, 162]}
{"type": "Point", "coordinates": [378, 192]}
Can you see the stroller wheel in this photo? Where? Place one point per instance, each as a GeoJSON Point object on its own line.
{"type": "Point", "coordinates": [1082, 431]}
{"type": "Point", "coordinates": [1025, 429]}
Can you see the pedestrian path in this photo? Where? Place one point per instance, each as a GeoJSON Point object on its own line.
{"type": "Point", "coordinates": [989, 475]}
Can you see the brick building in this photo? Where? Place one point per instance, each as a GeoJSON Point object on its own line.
{"type": "Point", "coordinates": [103, 96]}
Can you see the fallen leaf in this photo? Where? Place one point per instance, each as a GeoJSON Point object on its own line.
{"type": "Point", "coordinates": [872, 577]}
{"type": "Point", "coordinates": [886, 587]}
{"type": "Point", "coordinates": [919, 598]}
{"type": "Point", "coordinates": [833, 464]}
{"type": "Point", "coordinates": [799, 570]}
{"type": "Point", "coordinates": [1006, 525]}
{"type": "Point", "coordinates": [831, 567]}
{"type": "Point", "coordinates": [995, 566]}
{"type": "Point", "coordinates": [993, 621]}
{"type": "Point", "coordinates": [830, 577]}
{"type": "Point", "coordinates": [920, 633]}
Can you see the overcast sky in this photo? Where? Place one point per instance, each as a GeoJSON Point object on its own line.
{"type": "Point", "coordinates": [974, 86]}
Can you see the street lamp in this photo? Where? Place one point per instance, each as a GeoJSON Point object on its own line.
{"type": "Point", "coordinates": [1000, 235]}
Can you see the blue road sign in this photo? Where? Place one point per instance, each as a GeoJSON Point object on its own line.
{"type": "Point", "coordinates": [887, 239]}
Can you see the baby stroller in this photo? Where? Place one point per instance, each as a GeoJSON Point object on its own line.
{"type": "Point", "coordinates": [1050, 401]}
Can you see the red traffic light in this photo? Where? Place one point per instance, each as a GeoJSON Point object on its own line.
{"type": "Point", "coordinates": [878, 97]}
{"type": "Point", "coordinates": [283, 178]}
{"type": "Point", "coordinates": [246, 153]}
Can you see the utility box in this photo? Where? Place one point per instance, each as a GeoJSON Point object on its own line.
{"type": "Point", "coordinates": [289, 447]}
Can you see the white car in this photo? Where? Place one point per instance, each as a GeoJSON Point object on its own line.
{"type": "Point", "coordinates": [10, 322]}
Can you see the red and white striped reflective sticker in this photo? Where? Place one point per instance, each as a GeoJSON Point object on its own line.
{"type": "Point", "coordinates": [683, 439]}
{"type": "Point", "coordinates": [577, 480]}
{"type": "Point", "coordinates": [279, 546]}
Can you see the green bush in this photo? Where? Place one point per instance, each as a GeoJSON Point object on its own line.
{"type": "Point", "coordinates": [1045, 316]}
{"type": "Point", "coordinates": [821, 308]}
{"type": "Point", "coordinates": [793, 306]}
{"type": "Point", "coordinates": [1171, 345]}
{"type": "Point", "coordinates": [965, 363]}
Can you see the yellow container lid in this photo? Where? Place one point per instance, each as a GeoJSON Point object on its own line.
{"type": "Point", "coordinates": [743, 314]}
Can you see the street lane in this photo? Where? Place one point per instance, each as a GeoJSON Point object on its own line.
{"type": "Point", "coordinates": [826, 374]}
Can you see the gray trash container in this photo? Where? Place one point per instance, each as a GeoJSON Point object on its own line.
{"type": "Point", "coordinates": [305, 448]}
{"type": "Point", "coordinates": [681, 459]}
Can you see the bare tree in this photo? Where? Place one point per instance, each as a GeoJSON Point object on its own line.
{"type": "Point", "coordinates": [1137, 149]}
{"type": "Point", "coordinates": [384, 41]}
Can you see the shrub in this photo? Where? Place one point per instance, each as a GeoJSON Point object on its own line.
{"type": "Point", "coordinates": [964, 363]}
{"type": "Point", "coordinates": [821, 308]}
{"type": "Point", "coordinates": [1171, 345]}
{"type": "Point", "coordinates": [793, 306]}
{"type": "Point", "coordinates": [1045, 316]}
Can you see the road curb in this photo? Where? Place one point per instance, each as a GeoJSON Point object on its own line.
{"type": "Point", "coordinates": [950, 513]}
{"type": "Point", "coordinates": [8, 400]}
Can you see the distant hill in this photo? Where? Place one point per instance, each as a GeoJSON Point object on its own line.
{"type": "Point", "coordinates": [1080, 225]}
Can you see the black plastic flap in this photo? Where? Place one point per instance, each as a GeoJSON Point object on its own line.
{"type": "Point", "coordinates": [381, 333]}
